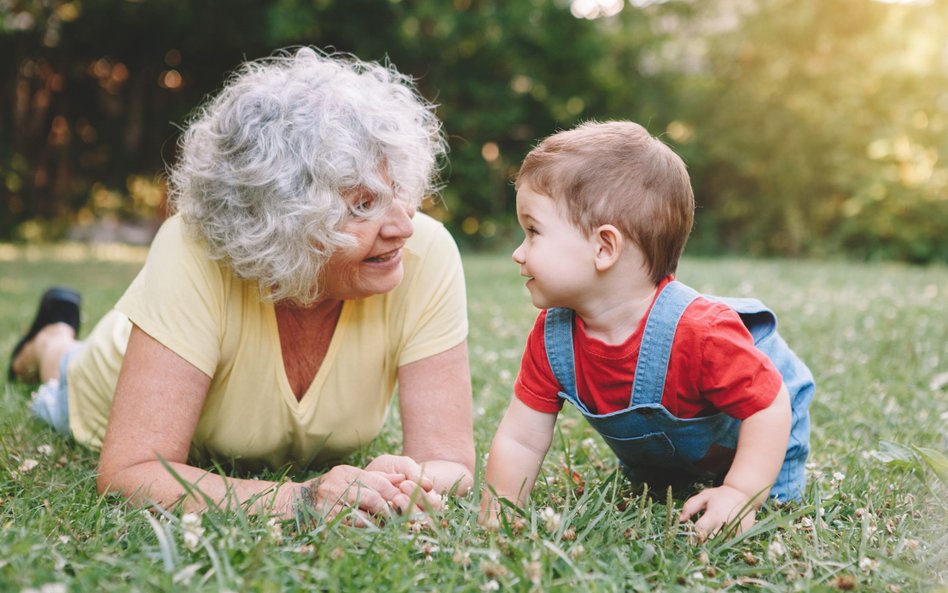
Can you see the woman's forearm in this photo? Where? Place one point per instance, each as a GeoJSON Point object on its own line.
{"type": "Point", "coordinates": [170, 484]}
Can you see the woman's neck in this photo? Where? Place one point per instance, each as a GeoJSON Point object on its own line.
{"type": "Point", "coordinates": [305, 335]}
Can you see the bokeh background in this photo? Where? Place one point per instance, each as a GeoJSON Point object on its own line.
{"type": "Point", "coordinates": [810, 127]}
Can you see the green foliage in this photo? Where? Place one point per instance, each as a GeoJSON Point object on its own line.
{"type": "Point", "coordinates": [914, 458]}
{"type": "Point", "coordinates": [811, 127]}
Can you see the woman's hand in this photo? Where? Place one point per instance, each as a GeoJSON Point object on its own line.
{"type": "Point", "coordinates": [368, 493]}
{"type": "Point", "coordinates": [413, 480]}
{"type": "Point", "coordinates": [401, 464]}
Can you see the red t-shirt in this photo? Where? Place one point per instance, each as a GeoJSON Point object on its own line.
{"type": "Point", "coordinates": [714, 366]}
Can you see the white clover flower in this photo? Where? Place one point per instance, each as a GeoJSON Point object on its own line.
{"type": "Point", "coordinates": [493, 569]}
{"type": "Point", "coordinates": [48, 588]}
{"type": "Point", "coordinates": [45, 450]}
{"type": "Point", "coordinates": [428, 549]}
{"type": "Point", "coordinates": [551, 518]}
{"type": "Point", "coordinates": [938, 381]}
{"type": "Point", "coordinates": [576, 551]}
{"type": "Point", "coordinates": [868, 565]}
{"type": "Point", "coordinates": [461, 558]}
{"type": "Point", "coordinates": [776, 550]}
{"type": "Point", "coordinates": [534, 571]}
{"type": "Point", "coordinates": [54, 588]}
{"type": "Point", "coordinates": [191, 530]}
{"type": "Point", "coordinates": [275, 529]}
{"type": "Point", "coordinates": [28, 465]}
{"type": "Point", "coordinates": [490, 585]}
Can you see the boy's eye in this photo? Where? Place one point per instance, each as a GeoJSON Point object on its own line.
{"type": "Point", "coordinates": [532, 231]}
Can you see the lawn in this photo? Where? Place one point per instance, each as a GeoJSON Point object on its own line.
{"type": "Point", "coordinates": [874, 516]}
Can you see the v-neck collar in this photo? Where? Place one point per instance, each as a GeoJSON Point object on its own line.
{"type": "Point", "coordinates": [310, 395]}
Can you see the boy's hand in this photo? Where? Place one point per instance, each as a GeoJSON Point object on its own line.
{"type": "Point", "coordinates": [718, 506]}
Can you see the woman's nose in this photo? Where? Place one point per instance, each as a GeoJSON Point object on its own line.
{"type": "Point", "coordinates": [397, 220]}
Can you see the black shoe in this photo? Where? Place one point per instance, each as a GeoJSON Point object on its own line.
{"type": "Point", "coordinates": [58, 305]}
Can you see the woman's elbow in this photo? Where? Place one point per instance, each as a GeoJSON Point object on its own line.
{"type": "Point", "coordinates": [103, 480]}
{"type": "Point", "coordinates": [109, 473]}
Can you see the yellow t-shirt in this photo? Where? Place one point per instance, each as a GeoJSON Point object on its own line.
{"type": "Point", "coordinates": [197, 308]}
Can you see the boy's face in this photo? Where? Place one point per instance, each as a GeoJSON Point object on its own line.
{"type": "Point", "coordinates": [556, 257]}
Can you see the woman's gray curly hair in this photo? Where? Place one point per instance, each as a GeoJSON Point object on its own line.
{"type": "Point", "coordinates": [265, 164]}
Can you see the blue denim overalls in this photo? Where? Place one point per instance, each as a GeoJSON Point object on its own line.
{"type": "Point", "coordinates": [653, 445]}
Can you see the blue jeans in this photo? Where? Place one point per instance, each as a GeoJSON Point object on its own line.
{"type": "Point", "coordinates": [51, 401]}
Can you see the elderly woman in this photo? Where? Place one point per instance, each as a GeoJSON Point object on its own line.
{"type": "Point", "coordinates": [278, 308]}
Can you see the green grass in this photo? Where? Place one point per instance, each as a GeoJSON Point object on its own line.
{"type": "Point", "coordinates": [874, 517]}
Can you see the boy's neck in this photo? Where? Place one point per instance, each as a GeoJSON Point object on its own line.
{"type": "Point", "coordinates": [613, 315]}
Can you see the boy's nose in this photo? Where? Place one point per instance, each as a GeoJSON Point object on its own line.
{"type": "Point", "coordinates": [518, 254]}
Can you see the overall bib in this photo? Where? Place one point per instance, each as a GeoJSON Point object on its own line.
{"type": "Point", "coordinates": [653, 445]}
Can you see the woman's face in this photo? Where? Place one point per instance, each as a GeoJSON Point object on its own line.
{"type": "Point", "coordinates": [374, 265]}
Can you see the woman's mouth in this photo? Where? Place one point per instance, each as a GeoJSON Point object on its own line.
{"type": "Point", "coordinates": [384, 257]}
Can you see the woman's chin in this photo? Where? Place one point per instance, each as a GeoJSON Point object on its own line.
{"type": "Point", "coordinates": [376, 283]}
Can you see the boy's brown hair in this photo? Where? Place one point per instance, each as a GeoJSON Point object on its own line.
{"type": "Point", "coordinates": [617, 173]}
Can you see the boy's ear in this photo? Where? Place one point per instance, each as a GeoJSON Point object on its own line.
{"type": "Point", "coordinates": [609, 244]}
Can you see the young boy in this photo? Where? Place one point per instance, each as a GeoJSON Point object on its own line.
{"type": "Point", "coordinates": [672, 380]}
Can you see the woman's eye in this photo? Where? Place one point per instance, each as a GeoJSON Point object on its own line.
{"type": "Point", "coordinates": [362, 206]}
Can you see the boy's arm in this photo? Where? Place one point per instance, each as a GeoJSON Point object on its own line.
{"type": "Point", "coordinates": [761, 448]}
{"type": "Point", "coordinates": [516, 454]}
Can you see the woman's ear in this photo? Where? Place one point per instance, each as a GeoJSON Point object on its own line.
{"type": "Point", "coordinates": [609, 244]}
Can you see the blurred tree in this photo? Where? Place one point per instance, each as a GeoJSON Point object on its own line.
{"type": "Point", "coordinates": [88, 101]}
{"type": "Point", "coordinates": [818, 126]}
{"type": "Point", "coordinates": [97, 86]}
{"type": "Point", "coordinates": [504, 74]}
{"type": "Point", "coordinates": [809, 126]}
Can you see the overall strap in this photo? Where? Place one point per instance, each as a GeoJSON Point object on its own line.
{"type": "Point", "coordinates": [558, 340]}
{"type": "Point", "coordinates": [652, 365]}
